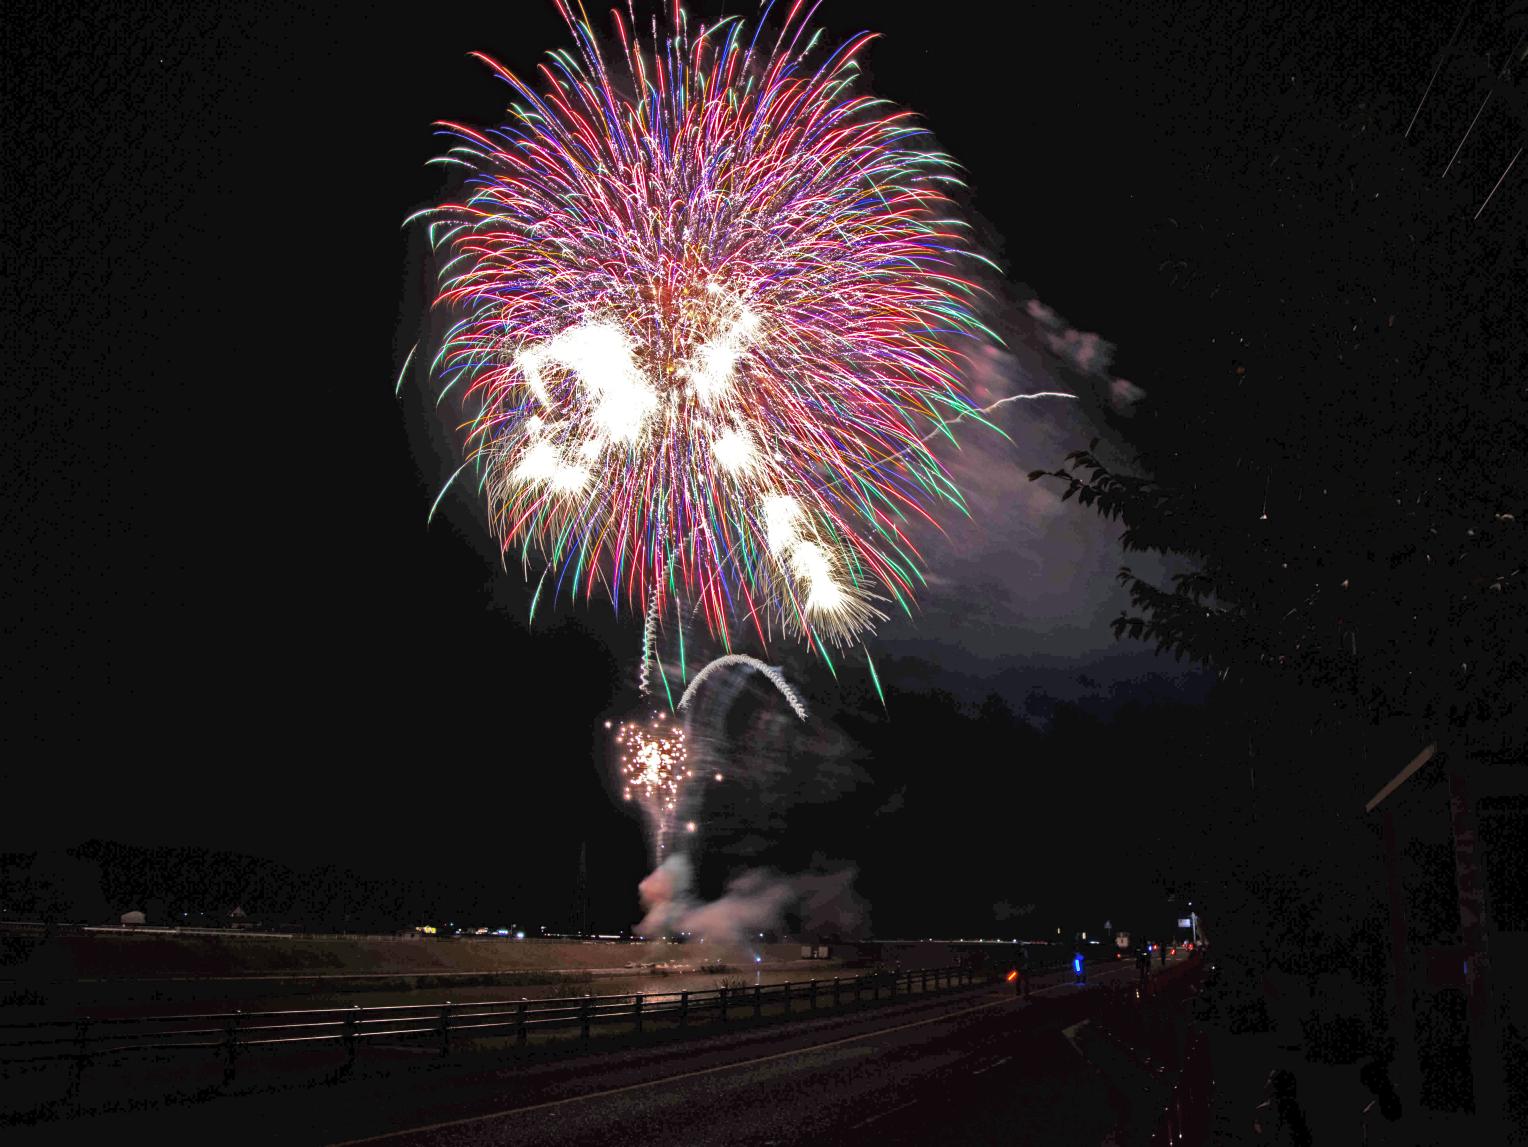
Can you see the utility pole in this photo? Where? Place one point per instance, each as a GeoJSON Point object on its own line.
{"type": "Point", "coordinates": [581, 893]}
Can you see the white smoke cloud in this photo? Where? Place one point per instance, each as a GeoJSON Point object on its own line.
{"type": "Point", "coordinates": [756, 900]}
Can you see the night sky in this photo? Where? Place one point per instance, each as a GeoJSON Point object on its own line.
{"type": "Point", "coordinates": [227, 623]}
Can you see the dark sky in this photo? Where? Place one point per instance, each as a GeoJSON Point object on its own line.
{"type": "Point", "coordinates": [226, 622]}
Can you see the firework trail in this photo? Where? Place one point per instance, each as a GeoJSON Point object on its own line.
{"type": "Point", "coordinates": [993, 407]}
{"type": "Point", "coordinates": [772, 672]}
{"type": "Point", "coordinates": [649, 631]}
{"type": "Point", "coordinates": [709, 304]}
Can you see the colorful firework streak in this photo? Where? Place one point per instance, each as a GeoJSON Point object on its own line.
{"type": "Point", "coordinates": [710, 303]}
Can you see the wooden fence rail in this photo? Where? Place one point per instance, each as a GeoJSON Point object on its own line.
{"type": "Point", "coordinates": [231, 1035]}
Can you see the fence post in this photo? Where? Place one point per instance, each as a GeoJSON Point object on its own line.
{"type": "Point", "coordinates": [520, 1024]}
{"type": "Point", "coordinates": [445, 1029]}
{"type": "Point", "coordinates": [725, 992]}
{"type": "Point", "coordinates": [787, 997]}
{"type": "Point", "coordinates": [684, 1009]}
{"type": "Point", "coordinates": [81, 1058]}
{"type": "Point", "coordinates": [924, 986]}
{"type": "Point", "coordinates": [230, 1047]}
{"type": "Point", "coordinates": [812, 990]}
{"type": "Point", "coordinates": [636, 1013]}
{"type": "Point", "coordinates": [875, 987]}
{"type": "Point", "coordinates": [758, 1000]}
{"type": "Point", "coordinates": [352, 1025]}
{"type": "Point", "coordinates": [583, 1018]}
{"type": "Point", "coordinates": [835, 991]}
{"type": "Point", "coordinates": [893, 985]}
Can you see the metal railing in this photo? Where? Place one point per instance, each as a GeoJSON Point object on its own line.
{"type": "Point", "coordinates": [84, 1043]}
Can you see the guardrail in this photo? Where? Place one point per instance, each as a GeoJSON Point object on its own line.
{"type": "Point", "coordinates": [84, 1043]}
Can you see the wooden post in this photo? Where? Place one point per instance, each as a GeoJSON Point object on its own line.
{"type": "Point", "coordinates": [584, 1014]}
{"type": "Point", "coordinates": [725, 992]}
{"type": "Point", "coordinates": [1404, 1024]}
{"type": "Point", "coordinates": [875, 987]}
{"type": "Point", "coordinates": [835, 991]}
{"type": "Point", "coordinates": [812, 990]}
{"type": "Point", "coordinates": [758, 1000]}
{"type": "Point", "coordinates": [81, 1058]}
{"type": "Point", "coordinates": [520, 1023]}
{"type": "Point", "coordinates": [445, 1029]}
{"type": "Point", "coordinates": [1485, 1052]}
{"type": "Point", "coordinates": [636, 1013]}
{"type": "Point", "coordinates": [924, 986]}
{"type": "Point", "coordinates": [684, 1009]}
{"type": "Point", "coordinates": [230, 1047]}
{"type": "Point", "coordinates": [352, 1027]}
{"type": "Point", "coordinates": [787, 997]}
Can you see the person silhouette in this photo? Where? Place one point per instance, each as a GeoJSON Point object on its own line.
{"type": "Point", "coordinates": [1279, 1115]}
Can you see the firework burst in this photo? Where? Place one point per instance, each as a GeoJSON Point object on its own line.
{"type": "Point", "coordinates": [655, 768]}
{"type": "Point", "coordinates": [709, 303]}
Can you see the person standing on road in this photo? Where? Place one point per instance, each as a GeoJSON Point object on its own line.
{"type": "Point", "coordinates": [1162, 955]}
{"type": "Point", "coordinates": [1279, 1116]}
{"type": "Point", "coordinates": [1143, 966]}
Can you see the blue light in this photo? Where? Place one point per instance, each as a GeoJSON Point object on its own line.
{"type": "Point", "coordinates": [1077, 964]}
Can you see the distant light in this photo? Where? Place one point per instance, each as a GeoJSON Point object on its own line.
{"type": "Point", "coordinates": [519, 935]}
{"type": "Point", "coordinates": [689, 826]}
{"type": "Point", "coordinates": [758, 959]}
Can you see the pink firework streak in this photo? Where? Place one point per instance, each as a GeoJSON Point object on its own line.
{"type": "Point", "coordinates": [709, 307]}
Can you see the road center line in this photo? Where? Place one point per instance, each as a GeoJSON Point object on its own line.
{"type": "Point", "coordinates": [883, 1115]}
{"type": "Point", "coordinates": [666, 1079]}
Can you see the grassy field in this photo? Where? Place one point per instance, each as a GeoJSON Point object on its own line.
{"type": "Point", "coordinates": [133, 956]}
{"type": "Point", "coordinates": [115, 973]}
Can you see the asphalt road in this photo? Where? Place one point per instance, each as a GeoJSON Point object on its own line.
{"type": "Point", "coordinates": [973, 1066]}
{"type": "Point", "coordinates": [983, 1067]}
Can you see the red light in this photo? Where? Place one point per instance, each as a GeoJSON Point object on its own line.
{"type": "Point", "coordinates": [1172, 951]}
{"type": "Point", "coordinates": [1013, 975]}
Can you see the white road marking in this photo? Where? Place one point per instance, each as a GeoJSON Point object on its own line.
{"type": "Point", "coordinates": [883, 1115]}
{"type": "Point", "coordinates": [1071, 1036]}
{"type": "Point", "coordinates": [668, 1078]}
{"type": "Point", "coordinates": [990, 1066]}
